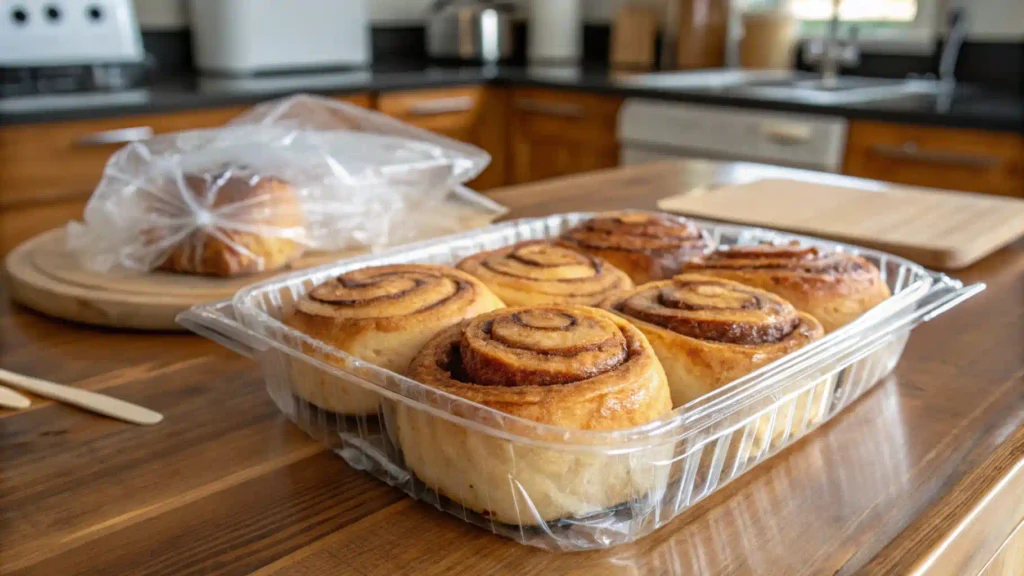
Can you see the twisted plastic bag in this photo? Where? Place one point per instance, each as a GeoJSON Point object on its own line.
{"type": "Point", "coordinates": [301, 172]}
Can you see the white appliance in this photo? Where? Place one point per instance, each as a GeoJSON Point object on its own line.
{"type": "Point", "coordinates": [247, 36]}
{"type": "Point", "coordinates": [555, 32]}
{"type": "Point", "coordinates": [37, 33]}
{"type": "Point", "coordinates": [654, 129]}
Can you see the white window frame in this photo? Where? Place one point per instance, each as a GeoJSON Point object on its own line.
{"type": "Point", "coordinates": [917, 37]}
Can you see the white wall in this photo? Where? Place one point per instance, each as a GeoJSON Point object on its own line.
{"type": "Point", "coordinates": [161, 14]}
{"type": "Point", "coordinates": [994, 20]}
{"type": "Point", "coordinates": [991, 20]}
{"type": "Point", "coordinates": [172, 14]}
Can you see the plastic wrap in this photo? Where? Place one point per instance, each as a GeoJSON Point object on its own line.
{"type": "Point", "coordinates": [302, 172]}
{"type": "Point", "coordinates": [522, 467]}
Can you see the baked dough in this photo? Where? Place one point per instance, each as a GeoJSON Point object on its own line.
{"type": "Point", "coordinates": [266, 230]}
{"type": "Point", "coordinates": [834, 287]}
{"type": "Point", "coordinates": [382, 315]}
{"type": "Point", "coordinates": [540, 272]}
{"type": "Point", "coordinates": [572, 367]}
{"type": "Point", "coordinates": [709, 331]}
{"type": "Point", "coordinates": [645, 245]}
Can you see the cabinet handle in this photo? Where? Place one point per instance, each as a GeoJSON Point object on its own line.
{"type": "Point", "coordinates": [786, 134]}
{"type": "Point", "coordinates": [118, 136]}
{"type": "Point", "coordinates": [911, 151]}
{"type": "Point", "coordinates": [559, 109]}
{"type": "Point", "coordinates": [440, 106]}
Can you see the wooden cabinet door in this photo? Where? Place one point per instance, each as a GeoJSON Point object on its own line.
{"type": "Point", "coordinates": [954, 159]}
{"type": "Point", "coordinates": [48, 171]}
{"type": "Point", "coordinates": [555, 133]}
{"type": "Point", "coordinates": [60, 161]}
{"type": "Point", "coordinates": [471, 114]}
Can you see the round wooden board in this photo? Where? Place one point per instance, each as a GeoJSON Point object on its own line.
{"type": "Point", "coordinates": [51, 257]}
{"type": "Point", "coordinates": [44, 276]}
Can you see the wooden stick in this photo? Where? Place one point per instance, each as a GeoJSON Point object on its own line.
{"type": "Point", "coordinates": [11, 399]}
{"type": "Point", "coordinates": [91, 401]}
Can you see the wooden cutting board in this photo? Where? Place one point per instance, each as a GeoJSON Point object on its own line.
{"type": "Point", "coordinates": [634, 38]}
{"type": "Point", "coordinates": [936, 228]}
{"type": "Point", "coordinates": [42, 274]}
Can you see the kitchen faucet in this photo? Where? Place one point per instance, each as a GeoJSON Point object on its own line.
{"type": "Point", "coordinates": [831, 53]}
{"type": "Point", "coordinates": [951, 50]}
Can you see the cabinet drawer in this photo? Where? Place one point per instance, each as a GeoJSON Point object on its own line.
{"type": "Point", "coordinates": [64, 160]}
{"type": "Point", "coordinates": [59, 161]}
{"type": "Point", "coordinates": [565, 115]}
{"type": "Point", "coordinates": [20, 224]}
{"type": "Point", "coordinates": [957, 159]}
{"type": "Point", "coordinates": [449, 111]}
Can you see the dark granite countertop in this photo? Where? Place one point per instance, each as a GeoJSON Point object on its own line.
{"type": "Point", "coordinates": [970, 109]}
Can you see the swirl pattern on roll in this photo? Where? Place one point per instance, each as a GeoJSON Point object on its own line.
{"type": "Point", "coordinates": [709, 331]}
{"type": "Point", "coordinates": [639, 232]}
{"type": "Point", "coordinates": [540, 272]}
{"type": "Point", "coordinates": [834, 287]}
{"type": "Point", "coordinates": [541, 347]}
{"type": "Point", "coordinates": [538, 361]}
{"type": "Point", "coordinates": [793, 257]}
{"type": "Point", "coordinates": [382, 315]}
{"type": "Point", "coordinates": [570, 367]}
{"type": "Point", "coordinates": [395, 291]}
{"type": "Point", "coordinates": [712, 309]}
{"type": "Point", "coordinates": [645, 245]}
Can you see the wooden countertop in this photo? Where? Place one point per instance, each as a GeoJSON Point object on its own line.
{"type": "Point", "coordinates": [923, 474]}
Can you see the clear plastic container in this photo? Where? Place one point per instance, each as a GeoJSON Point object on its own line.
{"type": "Point", "coordinates": [621, 484]}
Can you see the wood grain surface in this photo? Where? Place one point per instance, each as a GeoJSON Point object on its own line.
{"type": "Point", "coordinates": [935, 228]}
{"type": "Point", "coordinates": [951, 158]}
{"type": "Point", "coordinates": [226, 485]}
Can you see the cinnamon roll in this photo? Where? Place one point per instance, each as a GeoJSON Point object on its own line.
{"type": "Point", "coordinates": [645, 245]}
{"type": "Point", "coordinates": [568, 366]}
{"type": "Point", "coordinates": [709, 331]}
{"type": "Point", "coordinates": [540, 272]}
{"type": "Point", "coordinates": [834, 287]}
{"type": "Point", "coordinates": [257, 224]}
{"type": "Point", "coordinates": [383, 315]}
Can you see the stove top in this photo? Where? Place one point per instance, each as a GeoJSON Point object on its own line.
{"type": "Point", "coordinates": [45, 80]}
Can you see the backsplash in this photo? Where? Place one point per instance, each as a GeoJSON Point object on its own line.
{"type": "Point", "coordinates": [161, 15]}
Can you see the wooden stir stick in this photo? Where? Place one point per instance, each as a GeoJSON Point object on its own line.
{"type": "Point", "coordinates": [99, 403]}
{"type": "Point", "coordinates": [11, 399]}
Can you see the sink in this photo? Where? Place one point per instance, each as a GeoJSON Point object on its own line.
{"type": "Point", "coordinates": [715, 80]}
{"type": "Point", "coordinates": [788, 85]}
{"type": "Point", "coordinates": [842, 90]}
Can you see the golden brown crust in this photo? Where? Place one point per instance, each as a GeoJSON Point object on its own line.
{"type": "Point", "coordinates": [383, 315]}
{"type": "Point", "coordinates": [833, 287]}
{"type": "Point", "coordinates": [645, 245]}
{"type": "Point", "coordinates": [540, 272]}
{"type": "Point", "coordinates": [568, 366]}
{"type": "Point", "coordinates": [267, 203]}
{"type": "Point", "coordinates": [710, 331]}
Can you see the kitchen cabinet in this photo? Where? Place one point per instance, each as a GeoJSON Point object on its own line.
{"type": "Point", "coordinates": [472, 114]}
{"type": "Point", "coordinates": [953, 158]}
{"type": "Point", "coordinates": [555, 132]}
{"type": "Point", "coordinates": [48, 171]}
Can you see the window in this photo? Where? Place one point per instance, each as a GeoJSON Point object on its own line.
{"type": "Point", "coordinates": [882, 25]}
{"type": "Point", "coordinates": [871, 11]}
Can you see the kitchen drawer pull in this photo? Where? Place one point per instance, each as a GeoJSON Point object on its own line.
{"type": "Point", "coordinates": [440, 106]}
{"type": "Point", "coordinates": [911, 151]}
{"type": "Point", "coordinates": [118, 136]}
{"type": "Point", "coordinates": [559, 109]}
{"type": "Point", "coordinates": [785, 134]}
